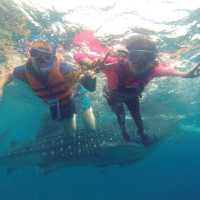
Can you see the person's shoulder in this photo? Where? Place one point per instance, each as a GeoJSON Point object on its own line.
{"type": "Point", "coordinates": [19, 72]}
{"type": "Point", "coordinates": [19, 69]}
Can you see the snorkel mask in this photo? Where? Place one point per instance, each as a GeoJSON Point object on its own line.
{"type": "Point", "coordinates": [141, 54]}
{"type": "Point", "coordinates": [43, 55]}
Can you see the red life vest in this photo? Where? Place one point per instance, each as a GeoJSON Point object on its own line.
{"type": "Point", "coordinates": [119, 77]}
{"type": "Point", "coordinates": [56, 87]}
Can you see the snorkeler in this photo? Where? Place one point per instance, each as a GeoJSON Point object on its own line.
{"type": "Point", "coordinates": [128, 71]}
{"type": "Point", "coordinates": [56, 82]}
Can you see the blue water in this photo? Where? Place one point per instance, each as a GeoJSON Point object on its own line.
{"type": "Point", "coordinates": [171, 172]}
{"type": "Point", "coordinates": [171, 169]}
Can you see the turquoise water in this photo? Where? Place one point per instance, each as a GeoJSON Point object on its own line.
{"type": "Point", "coordinates": [170, 170]}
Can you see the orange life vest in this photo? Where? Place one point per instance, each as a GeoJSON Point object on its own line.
{"type": "Point", "coordinates": [56, 87]}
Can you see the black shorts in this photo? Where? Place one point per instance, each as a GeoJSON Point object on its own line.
{"type": "Point", "coordinates": [62, 111]}
{"type": "Point", "coordinates": [124, 95]}
{"type": "Point", "coordinates": [116, 100]}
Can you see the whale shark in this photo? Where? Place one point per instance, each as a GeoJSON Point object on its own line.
{"type": "Point", "coordinates": [104, 147]}
{"type": "Point", "coordinates": [51, 152]}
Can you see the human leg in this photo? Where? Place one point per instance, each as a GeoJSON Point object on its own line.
{"type": "Point", "coordinates": [84, 108]}
{"type": "Point", "coordinates": [134, 108]}
{"type": "Point", "coordinates": [70, 125]}
{"type": "Point", "coordinates": [68, 117]}
{"type": "Point", "coordinates": [118, 108]}
{"type": "Point", "coordinates": [89, 118]}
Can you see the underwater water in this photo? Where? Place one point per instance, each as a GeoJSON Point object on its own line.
{"type": "Point", "coordinates": [171, 169]}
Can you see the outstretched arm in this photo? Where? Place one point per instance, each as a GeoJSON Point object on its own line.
{"type": "Point", "coordinates": [195, 72]}
{"type": "Point", "coordinates": [164, 70]}
{"type": "Point", "coordinates": [5, 77]}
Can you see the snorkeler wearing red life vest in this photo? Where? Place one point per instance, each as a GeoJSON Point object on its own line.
{"type": "Point", "coordinates": [54, 82]}
{"type": "Point", "coordinates": [128, 71]}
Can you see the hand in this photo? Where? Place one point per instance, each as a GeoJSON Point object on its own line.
{"type": "Point", "coordinates": [2, 75]}
{"type": "Point", "coordinates": [5, 77]}
{"type": "Point", "coordinates": [195, 72]}
{"type": "Point", "coordinates": [1, 94]}
{"type": "Point", "coordinates": [100, 63]}
{"type": "Point", "coordinates": [91, 65]}
{"type": "Point", "coordinates": [90, 74]}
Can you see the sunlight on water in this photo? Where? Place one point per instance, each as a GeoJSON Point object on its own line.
{"type": "Point", "coordinates": [117, 16]}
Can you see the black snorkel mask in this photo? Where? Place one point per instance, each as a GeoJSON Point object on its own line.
{"type": "Point", "coordinates": [141, 56]}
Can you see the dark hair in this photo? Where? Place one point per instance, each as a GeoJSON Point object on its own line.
{"type": "Point", "coordinates": [141, 49]}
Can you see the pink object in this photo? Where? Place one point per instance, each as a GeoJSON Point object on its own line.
{"type": "Point", "coordinates": [87, 38]}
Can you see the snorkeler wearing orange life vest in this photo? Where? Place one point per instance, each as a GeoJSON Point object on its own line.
{"type": "Point", "coordinates": [128, 71]}
{"type": "Point", "coordinates": [55, 82]}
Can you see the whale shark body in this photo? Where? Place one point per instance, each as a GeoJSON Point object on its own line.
{"type": "Point", "coordinates": [62, 150]}
{"type": "Point", "coordinates": [102, 148]}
